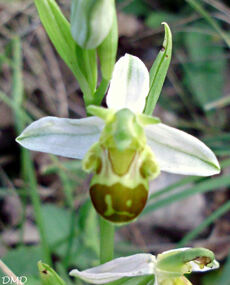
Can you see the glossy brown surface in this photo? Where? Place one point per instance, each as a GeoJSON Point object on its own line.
{"type": "Point", "coordinates": [118, 203]}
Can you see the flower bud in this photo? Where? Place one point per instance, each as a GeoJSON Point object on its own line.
{"type": "Point", "coordinates": [123, 165]}
{"type": "Point", "coordinates": [91, 21]}
{"type": "Point", "coordinates": [173, 264]}
{"type": "Point", "coordinates": [107, 51]}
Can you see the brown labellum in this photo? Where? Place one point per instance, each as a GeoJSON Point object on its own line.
{"type": "Point", "coordinates": [118, 203]}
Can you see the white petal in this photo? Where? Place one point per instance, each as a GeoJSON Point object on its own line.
{"type": "Point", "coordinates": [65, 137]}
{"type": "Point", "coordinates": [134, 265]}
{"type": "Point", "coordinates": [129, 85]}
{"type": "Point", "coordinates": [179, 152]}
{"type": "Point", "coordinates": [196, 267]}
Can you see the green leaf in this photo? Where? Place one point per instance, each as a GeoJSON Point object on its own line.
{"type": "Point", "coordinates": [91, 21]}
{"type": "Point", "coordinates": [158, 71]}
{"type": "Point", "coordinates": [224, 277]}
{"type": "Point", "coordinates": [100, 93]}
{"type": "Point", "coordinates": [87, 61]}
{"type": "Point", "coordinates": [206, 62]}
{"type": "Point", "coordinates": [57, 223]}
{"type": "Point", "coordinates": [136, 7]}
{"type": "Point", "coordinates": [27, 167]}
{"type": "Point", "coordinates": [23, 260]}
{"type": "Point", "coordinates": [33, 281]}
{"type": "Point", "coordinates": [48, 275]}
{"type": "Point", "coordinates": [88, 225]}
{"type": "Point", "coordinates": [213, 278]}
{"type": "Point", "coordinates": [58, 30]}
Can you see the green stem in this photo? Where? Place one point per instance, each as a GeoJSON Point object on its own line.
{"type": "Point", "coordinates": [29, 174]}
{"type": "Point", "coordinates": [106, 241]}
{"type": "Point", "coordinates": [26, 160]}
{"type": "Point", "coordinates": [101, 90]}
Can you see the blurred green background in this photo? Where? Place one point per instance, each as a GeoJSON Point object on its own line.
{"type": "Point", "coordinates": [45, 212]}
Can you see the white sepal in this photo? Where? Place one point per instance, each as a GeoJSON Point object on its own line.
{"type": "Point", "coordinates": [129, 85]}
{"type": "Point", "coordinates": [179, 152]}
{"type": "Point", "coordinates": [65, 137]}
{"type": "Point", "coordinates": [131, 266]}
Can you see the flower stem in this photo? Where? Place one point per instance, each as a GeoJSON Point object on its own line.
{"type": "Point", "coordinates": [106, 241]}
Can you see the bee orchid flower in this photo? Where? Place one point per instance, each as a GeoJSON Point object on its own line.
{"type": "Point", "coordinates": [168, 267]}
{"type": "Point", "coordinates": [123, 147]}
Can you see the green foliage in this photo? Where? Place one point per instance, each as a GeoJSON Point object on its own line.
{"type": "Point", "coordinates": [207, 61]}
{"type": "Point", "coordinates": [23, 260]}
{"type": "Point", "coordinates": [202, 187]}
{"type": "Point", "coordinates": [57, 223]}
{"type": "Point", "coordinates": [223, 279]}
{"type": "Point", "coordinates": [158, 71]}
{"type": "Point", "coordinates": [58, 29]}
{"type": "Point", "coordinates": [213, 278]}
{"type": "Point", "coordinates": [88, 226]}
{"type": "Point", "coordinates": [49, 276]}
{"type": "Point", "coordinates": [28, 171]}
{"type": "Point", "coordinates": [196, 5]}
{"type": "Point", "coordinates": [136, 7]}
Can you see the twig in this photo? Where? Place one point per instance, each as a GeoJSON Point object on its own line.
{"type": "Point", "coordinates": [9, 273]}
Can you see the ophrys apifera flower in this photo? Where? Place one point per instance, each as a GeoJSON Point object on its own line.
{"type": "Point", "coordinates": [168, 267]}
{"type": "Point", "coordinates": [121, 146]}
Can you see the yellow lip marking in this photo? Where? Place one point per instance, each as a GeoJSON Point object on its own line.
{"type": "Point", "coordinates": [110, 211]}
{"type": "Point", "coordinates": [129, 203]}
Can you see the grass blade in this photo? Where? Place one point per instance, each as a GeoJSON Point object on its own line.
{"type": "Point", "coordinates": [208, 221]}
{"type": "Point", "coordinates": [26, 160]}
{"type": "Point", "coordinates": [202, 187]}
{"type": "Point", "coordinates": [199, 8]}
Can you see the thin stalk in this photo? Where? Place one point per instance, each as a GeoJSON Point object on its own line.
{"type": "Point", "coordinates": [106, 241]}
{"type": "Point", "coordinates": [26, 160]}
{"type": "Point", "coordinates": [29, 174]}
